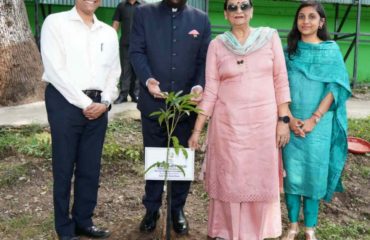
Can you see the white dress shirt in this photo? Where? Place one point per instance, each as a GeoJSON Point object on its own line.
{"type": "Point", "coordinates": [77, 57]}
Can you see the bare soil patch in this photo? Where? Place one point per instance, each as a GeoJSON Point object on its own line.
{"type": "Point", "coordinates": [26, 195]}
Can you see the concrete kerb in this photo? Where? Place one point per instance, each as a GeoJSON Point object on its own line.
{"type": "Point", "coordinates": [35, 113]}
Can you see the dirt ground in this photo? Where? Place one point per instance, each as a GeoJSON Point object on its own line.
{"type": "Point", "coordinates": [26, 204]}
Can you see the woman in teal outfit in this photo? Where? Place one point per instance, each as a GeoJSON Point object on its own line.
{"type": "Point", "coordinates": [315, 156]}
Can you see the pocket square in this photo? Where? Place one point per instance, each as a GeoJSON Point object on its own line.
{"type": "Point", "coordinates": [194, 33]}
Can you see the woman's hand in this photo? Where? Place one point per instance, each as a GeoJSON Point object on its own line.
{"type": "Point", "coordinates": [309, 125]}
{"type": "Point", "coordinates": [282, 134]}
{"type": "Point", "coordinates": [296, 126]}
{"type": "Point", "coordinates": [194, 140]}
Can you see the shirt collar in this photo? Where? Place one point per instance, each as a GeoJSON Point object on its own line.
{"type": "Point", "coordinates": [74, 16]}
{"type": "Point", "coordinates": [137, 2]}
{"type": "Point", "coordinates": [169, 10]}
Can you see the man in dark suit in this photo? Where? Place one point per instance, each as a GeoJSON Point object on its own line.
{"type": "Point", "coordinates": [168, 47]}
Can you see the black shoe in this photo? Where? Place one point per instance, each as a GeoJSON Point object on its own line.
{"type": "Point", "coordinates": [68, 238]}
{"type": "Point", "coordinates": [149, 221]}
{"type": "Point", "coordinates": [179, 222]}
{"type": "Point", "coordinates": [134, 99]}
{"type": "Point", "coordinates": [93, 232]}
{"type": "Point", "coordinates": [120, 99]}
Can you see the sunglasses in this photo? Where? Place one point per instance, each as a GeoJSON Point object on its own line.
{"type": "Point", "coordinates": [243, 7]}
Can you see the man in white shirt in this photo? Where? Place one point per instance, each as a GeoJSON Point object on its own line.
{"type": "Point", "coordinates": [81, 62]}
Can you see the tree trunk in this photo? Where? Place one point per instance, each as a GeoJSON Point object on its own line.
{"type": "Point", "coordinates": [20, 60]}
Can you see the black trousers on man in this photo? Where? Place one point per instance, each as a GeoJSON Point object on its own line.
{"type": "Point", "coordinates": [129, 83]}
{"type": "Point", "coordinates": [77, 145]}
{"type": "Point", "coordinates": [155, 135]}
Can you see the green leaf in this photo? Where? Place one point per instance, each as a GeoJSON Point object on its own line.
{"type": "Point", "coordinates": [172, 115]}
{"type": "Point", "coordinates": [176, 145]}
{"type": "Point", "coordinates": [161, 118]}
{"type": "Point", "coordinates": [178, 93]}
{"type": "Point", "coordinates": [166, 166]}
{"type": "Point", "coordinates": [157, 164]}
{"type": "Point", "coordinates": [184, 152]}
{"type": "Point", "coordinates": [181, 169]}
{"type": "Point", "coordinates": [153, 114]}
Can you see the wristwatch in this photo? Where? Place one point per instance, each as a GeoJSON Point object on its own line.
{"type": "Point", "coordinates": [107, 104]}
{"type": "Point", "coordinates": [284, 119]}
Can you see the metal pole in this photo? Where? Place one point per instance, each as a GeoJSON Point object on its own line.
{"type": "Point", "coordinates": [357, 42]}
{"type": "Point", "coordinates": [336, 20]}
{"type": "Point", "coordinates": [169, 202]}
{"type": "Point", "coordinates": [37, 27]}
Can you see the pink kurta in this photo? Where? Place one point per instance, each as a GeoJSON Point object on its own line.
{"type": "Point", "coordinates": [242, 164]}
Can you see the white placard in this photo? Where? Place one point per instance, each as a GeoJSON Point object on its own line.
{"type": "Point", "coordinates": [156, 154]}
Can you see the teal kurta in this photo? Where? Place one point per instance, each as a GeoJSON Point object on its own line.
{"type": "Point", "coordinates": [314, 164]}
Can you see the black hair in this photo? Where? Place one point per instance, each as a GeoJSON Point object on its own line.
{"type": "Point", "coordinates": [294, 35]}
{"type": "Point", "coordinates": [227, 1]}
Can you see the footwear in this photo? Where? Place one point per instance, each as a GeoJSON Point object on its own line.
{"type": "Point", "coordinates": [179, 222]}
{"type": "Point", "coordinates": [68, 238]}
{"type": "Point", "coordinates": [93, 232]}
{"type": "Point", "coordinates": [310, 234]}
{"type": "Point", "coordinates": [149, 221]}
{"type": "Point", "coordinates": [134, 99]}
{"type": "Point", "coordinates": [120, 99]}
{"type": "Point", "coordinates": [291, 234]}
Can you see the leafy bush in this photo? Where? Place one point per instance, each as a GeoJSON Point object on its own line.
{"type": "Point", "coordinates": [37, 145]}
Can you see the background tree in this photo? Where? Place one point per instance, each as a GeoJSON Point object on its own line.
{"type": "Point", "coordinates": [20, 60]}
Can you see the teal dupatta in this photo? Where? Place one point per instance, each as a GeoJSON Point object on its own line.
{"type": "Point", "coordinates": [324, 63]}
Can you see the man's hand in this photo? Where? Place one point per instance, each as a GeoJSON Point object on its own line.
{"type": "Point", "coordinates": [197, 91]}
{"type": "Point", "coordinates": [153, 88]}
{"type": "Point", "coordinates": [94, 110]}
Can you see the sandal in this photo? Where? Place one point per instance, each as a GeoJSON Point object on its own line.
{"type": "Point", "coordinates": [291, 234]}
{"type": "Point", "coordinates": [310, 234]}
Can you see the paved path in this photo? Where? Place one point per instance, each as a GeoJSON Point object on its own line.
{"type": "Point", "coordinates": [35, 113]}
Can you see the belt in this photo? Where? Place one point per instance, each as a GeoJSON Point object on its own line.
{"type": "Point", "coordinates": [92, 93]}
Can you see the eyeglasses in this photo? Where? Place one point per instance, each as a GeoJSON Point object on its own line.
{"type": "Point", "coordinates": [243, 7]}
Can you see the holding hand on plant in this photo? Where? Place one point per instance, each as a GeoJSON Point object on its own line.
{"type": "Point", "coordinates": [153, 88]}
{"type": "Point", "coordinates": [165, 70]}
{"type": "Point", "coordinates": [249, 122]}
{"type": "Point", "coordinates": [197, 93]}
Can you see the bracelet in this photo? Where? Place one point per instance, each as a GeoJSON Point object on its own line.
{"type": "Point", "coordinates": [317, 118]}
{"type": "Point", "coordinates": [319, 113]}
{"type": "Point", "coordinates": [316, 115]}
{"type": "Point", "coordinates": [196, 131]}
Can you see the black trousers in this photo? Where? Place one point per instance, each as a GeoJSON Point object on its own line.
{"type": "Point", "coordinates": [129, 83]}
{"type": "Point", "coordinates": [155, 136]}
{"type": "Point", "coordinates": [77, 145]}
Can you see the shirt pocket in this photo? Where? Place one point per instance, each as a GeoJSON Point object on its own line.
{"type": "Point", "coordinates": [193, 43]}
{"type": "Point", "coordinates": [105, 54]}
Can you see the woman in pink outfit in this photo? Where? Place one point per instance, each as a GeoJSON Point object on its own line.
{"type": "Point", "coordinates": [246, 97]}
